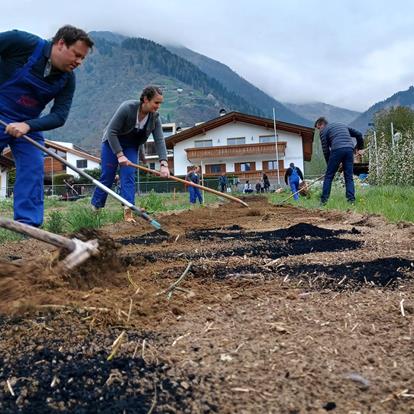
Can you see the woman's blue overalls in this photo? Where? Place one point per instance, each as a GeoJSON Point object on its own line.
{"type": "Point", "coordinates": [23, 97]}
{"type": "Point", "coordinates": [130, 144]}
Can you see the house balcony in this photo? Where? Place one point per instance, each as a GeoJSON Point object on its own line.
{"type": "Point", "coordinates": [251, 175]}
{"type": "Point", "coordinates": [235, 151]}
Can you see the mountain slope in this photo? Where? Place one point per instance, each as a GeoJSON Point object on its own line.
{"type": "Point", "coordinates": [235, 83]}
{"type": "Point", "coordinates": [402, 98]}
{"type": "Point", "coordinates": [314, 110]}
{"type": "Point", "coordinates": [115, 72]}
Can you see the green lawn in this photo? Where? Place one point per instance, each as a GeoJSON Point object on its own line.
{"type": "Point", "coordinates": [393, 202]}
{"type": "Point", "coordinates": [68, 217]}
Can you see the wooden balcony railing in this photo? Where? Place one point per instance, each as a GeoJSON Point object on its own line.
{"type": "Point", "coordinates": [234, 151]}
{"type": "Point", "coordinates": [251, 175]}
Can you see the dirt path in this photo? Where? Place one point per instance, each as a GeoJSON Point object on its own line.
{"type": "Point", "coordinates": [283, 310]}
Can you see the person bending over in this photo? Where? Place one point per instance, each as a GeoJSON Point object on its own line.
{"type": "Point", "coordinates": [131, 125]}
{"type": "Point", "coordinates": [338, 148]}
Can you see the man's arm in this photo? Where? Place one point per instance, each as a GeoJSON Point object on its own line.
{"type": "Point", "coordinates": [356, 134]}
{"type": "Point", "coordinates": [300, 173]}
{"type": "Point", "coordinates": [59, 112]}
{"type": "Point", "coordinates": [325, 143]}
{"type": "Point", "coordinates": [287, 173]}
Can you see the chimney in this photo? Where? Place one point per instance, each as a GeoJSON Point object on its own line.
{"type": "Point", "coordinates": [222, 112]}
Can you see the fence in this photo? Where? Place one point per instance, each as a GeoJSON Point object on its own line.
{"type": "Point", "coordinates": [142, 187]}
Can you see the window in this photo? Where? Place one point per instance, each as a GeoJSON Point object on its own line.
{"type": "Point", "coordinates": [216, 168]}
{"type": "Point", "coordinates": [152, 165]}
{"type": "Point", "coordinates": [150, 148]}
{"type": "Point", "coordinates": [272, 165]}
{"type": "Point", "coordinates": [245, 166]}
{"type": "Point", "coordinates": [266, 139]}
{"type": "Point", "coordinates": [236, 141]}
{"type": "Point", "coordinates": [203, 143]}
{"type": "Point", "coordinates": [82, 163]}
{"type": "Point", "coordinates": [167, 131]}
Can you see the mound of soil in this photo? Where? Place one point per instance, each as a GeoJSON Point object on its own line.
{"type": "Point", "coordinates": [27, 284]}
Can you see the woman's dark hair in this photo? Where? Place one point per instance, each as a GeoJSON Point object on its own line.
{"type": "Point", "coordinates": [70, 35]}
{"type": "Point", "coordinates": [149, 92]}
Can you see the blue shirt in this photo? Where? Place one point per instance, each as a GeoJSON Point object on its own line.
{"type": "Point", "coordinates": [16, 47]}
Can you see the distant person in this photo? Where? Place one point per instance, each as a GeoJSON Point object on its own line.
{"type": "Point", "coordinates": [236, 184]}
{"type": "Point", "coordinates": [247, 187]}
{"type": "Point", "coordinates": [258, 187]}
{"type": "Point", "coordinates": [266, 182]}
{"type": "Point", "coordinates": [34, 72]}
{"type": "Point", "coordinates": [195, 193]}
{"type": "Point", "coordinates": [293, 176]}
{"type": "Point", "coordinates": [338, 148]}
{"type": "Point", "coordinates": [130, 127]}
{"type": "Point", "coordinates": [223, 182]}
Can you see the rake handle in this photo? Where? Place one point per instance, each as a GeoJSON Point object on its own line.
{"type": "Point", "coordinates": [103, 187]}
{"type": "Point", "coordinates": [297, 192]}
{"type": "Point", "coordinates": [36, 233]}
{"type": "Point", "coordinates": [180, 180]}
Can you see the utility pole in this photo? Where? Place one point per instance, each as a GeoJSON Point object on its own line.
{"type": "Point", "coordinates": [277, 148]}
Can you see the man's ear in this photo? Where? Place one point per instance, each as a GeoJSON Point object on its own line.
{"type": "Point", "coordinates": [60, 44]}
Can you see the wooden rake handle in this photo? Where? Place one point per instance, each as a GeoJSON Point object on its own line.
{"type": "Point", "coordinates": [180, 180]}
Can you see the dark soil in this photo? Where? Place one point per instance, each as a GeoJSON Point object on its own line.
{"type": "Point", "coordinates": [282, 311]}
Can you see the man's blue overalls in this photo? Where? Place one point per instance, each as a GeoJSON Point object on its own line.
{"type": "Point", "coordinates": [294, 183]}
{"type": "Point", "coordinates": [195, 193]}
{"type": "Point", "coordinates": [23, 97]}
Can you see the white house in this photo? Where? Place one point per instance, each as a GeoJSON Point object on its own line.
{"type": "Point", "coordinates": [242, 145]}
{"type": "Point", "coordinates": [73, 154]}
{"type": "Point", "coordinates": [5, 166]}
{"type": "Point", "coordinates": [68, 151]}
{"type": "Point", "coordinates": [151, 152]}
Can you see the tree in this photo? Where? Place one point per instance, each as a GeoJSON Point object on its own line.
{"type": "Point", "coordinates": [402, 119]}
{"type": "Point", "coordinates": [391, 161]}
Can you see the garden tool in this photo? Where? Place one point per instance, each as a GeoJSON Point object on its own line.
{"type": "Point", "coordinates": [103, 187]}
{"type": "Point", "coordinates": [80, 250]}
{"type": "Point", "coordinates": [190, 183]}
{"type": "Point", "coordinates": [297, 192]}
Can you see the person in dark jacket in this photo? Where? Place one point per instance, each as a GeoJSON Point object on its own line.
{"type": "Point", "coordinates": [194, 177]}
{"type": "Point", "coordinates": [338, 148]}
{"type": "Point", "coordinates": [34, 72]}
{"type": "Point", "coordinates": [293, 176]}
{"type": "Point", "coordinates": [132, 124]}
{"type": "Point", "coordinates": [223, 182]}
{"type": "Point", "coordinates": [266, 182]}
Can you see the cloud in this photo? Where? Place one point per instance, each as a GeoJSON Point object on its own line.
{"type": "Point", "coordinates": [348, 53]}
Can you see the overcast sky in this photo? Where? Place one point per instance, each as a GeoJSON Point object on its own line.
{"type": "Point", "coordinates": [350, 53]}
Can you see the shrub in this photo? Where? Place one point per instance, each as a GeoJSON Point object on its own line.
{"type": "Point", "coordinates": [152, 202]}
{"type": "Point", "coordinates": [55, 222]}
{"type": "Point", "coordinates": [80, 217]}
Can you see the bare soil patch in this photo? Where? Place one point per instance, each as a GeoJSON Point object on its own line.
{"type": "Point", "coordinates": [282, 311]}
